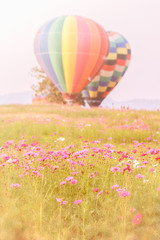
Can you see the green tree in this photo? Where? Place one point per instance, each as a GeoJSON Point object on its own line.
{"type": "Point", "coordinates": [46, 87]}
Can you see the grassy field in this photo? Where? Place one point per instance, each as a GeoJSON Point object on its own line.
{"type": "Point", "coordinates": [69, 173]}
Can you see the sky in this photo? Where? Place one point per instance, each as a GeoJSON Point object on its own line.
{"type": "Point", "coordinates": [137, 20]}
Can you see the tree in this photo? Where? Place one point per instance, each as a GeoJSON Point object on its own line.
{"type": "Point", "coordinates": [47, 88]}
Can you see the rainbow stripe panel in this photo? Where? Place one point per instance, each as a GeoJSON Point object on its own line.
{"type": "Point", "coordinates": [71, 50]}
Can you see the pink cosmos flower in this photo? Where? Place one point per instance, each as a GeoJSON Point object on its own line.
{"type": "Point", "coordinates": [143, 166]}
{"type": "Point", "coordinates": [110, 138]}
{"type": "Point", "coordinates": [158, 189]}
{"type": "Point", "coordinates": [100, 193]}
{"type": "Point", "coordinates": [139, 176]}
{"type": "Point", "coordinates": [74, 173]}
{"type": "Point", "coordinates": [40, 168]}
{"type": "Point", "coordinates": [132, 209]}
{"type": "Point", "coordinates": [115, 169]}
{"type": "Point", "coordinates": [123, 192]}
{"type": "Point", "coordinates": [134, 150]}
{"type": "Point", "coordinates": [73, 181]}
{"type": "Point", "coordinates": [9, 142]}
{"type": "Point", "coordinates": [61, 201]}
{"type": "Point", "coordinates": [15, 185]}
{"type": "Point", "coordinates": [92, 175]}
{"type": "Point", "coordinates": [149, 138]}
{"type": "Point", "coordinates": [96, 141]}
{"type": "Point", "coordinates": [35, 172]}
{"type": "Point", "coordinates": [62, 183]}
{"type": "Point", "coordinates": [55, 167]}
{"type": "Point", "coordinates": [115, 186]}
{"type": "Point", "coordinates": [137, 219]}
{"type": "Point", "coordinates": [81, 163]}
{"type": "Point", "coordinates": [69, 178]}
{"type": "Point", "coordinates": [128, 168]}
{"type": "Point", "coordinates": [152, 170]}
{"type": "Point", "coordinates": [145, 162]}
{"type": "Point", "coordinates": [64, 202]}
{"type": "Point", "coordinates": [6, 158]}
{"type": "Point", "coordinates": [77, 202]}
{"type": "Point", "coordinates": [13, 161]}
{"type": "Point", "coordinates": [96, 190]}
{"type": "Point", "coordinates": [21, 175]}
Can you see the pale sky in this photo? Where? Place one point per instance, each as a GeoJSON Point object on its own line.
{"type": "Point", "coordinates": [137, 20]}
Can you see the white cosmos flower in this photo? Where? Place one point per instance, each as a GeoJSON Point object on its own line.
{"type": "Point", "coordinates": [146, 180]}
{"type": "Point", "coordinates": [155, 165]}
{"type": "Point", "coordinates": [61, 139]}
{"type": "Point", "coordinates": [135, 163]}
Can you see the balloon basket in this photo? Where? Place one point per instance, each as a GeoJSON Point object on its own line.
{"type": "Point", "coordinates": [92, 102]}
{"type": "Point", "coordinates": [70, 98]}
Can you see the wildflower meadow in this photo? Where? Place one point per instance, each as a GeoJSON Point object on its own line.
{"type": "Point", "coordinates": [72, 173]}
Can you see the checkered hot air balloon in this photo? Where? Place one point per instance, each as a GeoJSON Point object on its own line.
{"type": "Point", "coordinates": [71, 50]}
{"type": "Point", "coordinates": [112, 71]}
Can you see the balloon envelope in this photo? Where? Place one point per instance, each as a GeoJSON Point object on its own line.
{"type": "Point", "coordinates": [71, 50]}
{"type": "Point", "coordinates": [112, 71]}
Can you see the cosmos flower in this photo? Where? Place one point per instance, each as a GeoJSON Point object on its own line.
{"type": "Point", "coordinates": [15, 185]}
{"type": "Point", "coordinates": [73, 181]}
{"type": "Point", "coordinates": [62, 183]}
{"type": "Point", "coordinates": [139, 176]}
{"type": "Point", "coordinates": [78, 202]}
{"type": "Point", "coordinates": [60, 200]}
{"type": "Point", "coordinates": [152, 170]}
{"type": "Point", "coordinates": [137, 219]}
{"type": "Point", "coordinates": [92, 175]}
{"type": "Point", "coordinates": [115, 169]}
{"type": "Point", "coordinates": [115, 186]}
{"type": "Point", "coordinates": [100, 193]}
{"type": "Point", "coordinates": [96, 190]}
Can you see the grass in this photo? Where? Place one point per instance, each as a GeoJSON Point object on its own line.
{"type": "Point", "coordinates": [98, 148]}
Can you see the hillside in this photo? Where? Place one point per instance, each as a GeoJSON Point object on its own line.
{"type": "Point", "coordinates": [26, 98]}
{"type": "Point", "coordinates": [16, 98]}
{"type": "Point", "coordinates": [145, 104]}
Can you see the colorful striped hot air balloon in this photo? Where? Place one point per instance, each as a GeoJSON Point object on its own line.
{"type": "Point", "coordinates": [111, 72]}
{"type": "Point", "coordinates": [71, 50]}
